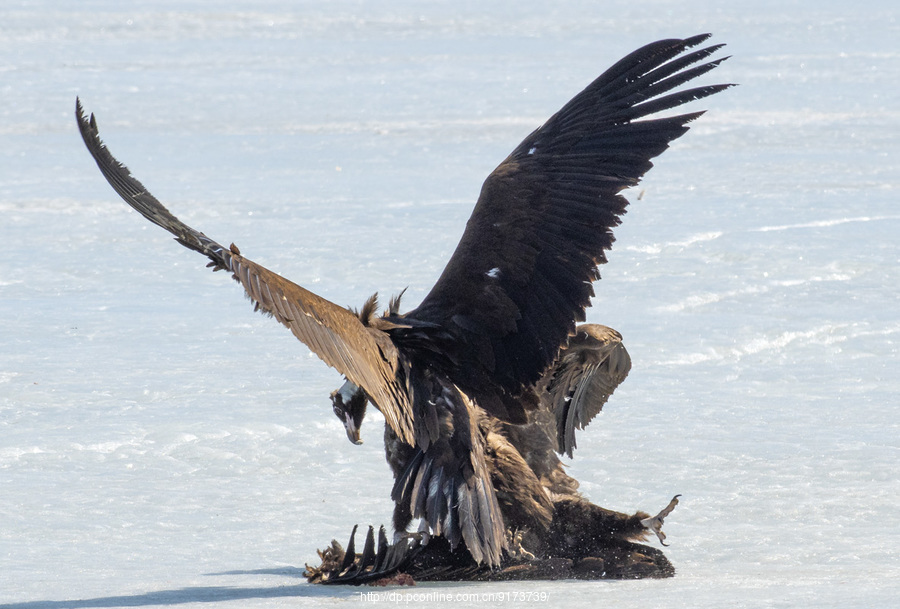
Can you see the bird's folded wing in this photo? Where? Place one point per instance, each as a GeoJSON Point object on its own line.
{"type": "Point", "coordinates": [590, 367]}
{"type": "Point", "coordinates": [449, 487]}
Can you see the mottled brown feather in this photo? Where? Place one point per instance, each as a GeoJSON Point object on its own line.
{"type": "Point", "coordinates": [590, 367]}
{"type": "Point", "coordinates": [364, 355]}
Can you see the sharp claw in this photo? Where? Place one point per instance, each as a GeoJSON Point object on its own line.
{"type": "Point", "coordinates": [515, 548]}
{"type": "Point", "coordinates": [420, 537]}
{"type": "Point", "coordinates": [655, 523]}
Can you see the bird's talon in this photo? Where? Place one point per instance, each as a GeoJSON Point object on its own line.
{"type": "Point", "coordinates": [419, 537]}
{"type": "Point", "coordinates": [655, 523]}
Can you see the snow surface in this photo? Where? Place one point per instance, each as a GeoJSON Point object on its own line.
{"type": "Point", "coordinates": [162, 446]}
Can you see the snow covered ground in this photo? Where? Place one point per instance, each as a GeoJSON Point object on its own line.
{"type": "Point", "coordinates": [162, 446]}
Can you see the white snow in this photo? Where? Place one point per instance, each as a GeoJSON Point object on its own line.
{"type": "Point", "coordinates": [161, 445]}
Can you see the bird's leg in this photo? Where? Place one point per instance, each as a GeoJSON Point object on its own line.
{"type": "Point", "coordinates": [655, 523]}
{"type": "Point", "coordinates": [515, 547]}
{"type": "Point", "coordinates": [422, 537]}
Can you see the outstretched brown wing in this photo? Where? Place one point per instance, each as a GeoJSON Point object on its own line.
{"type": "Point", "coordinates": [364, 355]}
{"type": "Point", "coordinates": [521, 275]}
{"type": "Point", "coordinates": [590, 367]}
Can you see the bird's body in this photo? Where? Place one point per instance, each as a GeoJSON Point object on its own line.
{"type": "Point", "coordinates": [529, 480]}
{"type": "Point", "coordinates": [471, 359]}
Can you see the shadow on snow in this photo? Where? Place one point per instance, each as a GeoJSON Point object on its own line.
{"type": "Point", "coordinates": [199, 594]}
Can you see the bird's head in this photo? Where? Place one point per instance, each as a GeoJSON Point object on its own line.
{"type": "Point", "coordinates": [349, 403]}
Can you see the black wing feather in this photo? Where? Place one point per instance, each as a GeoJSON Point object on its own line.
{"type": "Point", "coordinates": [521, 275]}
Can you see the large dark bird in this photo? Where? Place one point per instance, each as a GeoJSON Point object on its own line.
{"type": "Point", "coordinates": [469, 356]}
{"type": "Point", "coordinates": [547, 520]}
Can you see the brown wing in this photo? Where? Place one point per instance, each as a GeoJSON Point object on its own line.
{"type": "Point", "coordinates": [589, 369]}
{"type": "Point", "coordinates": [364, 355]}
{"type": "Point", "coordinates": [521, 275]}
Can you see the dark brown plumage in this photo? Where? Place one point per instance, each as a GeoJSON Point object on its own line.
{"type": "Point", "coordinates": [537, 498]}
{"type": "Point", "coordinates": [509, 297]}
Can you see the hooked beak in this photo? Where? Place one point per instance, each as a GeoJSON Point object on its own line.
{"type": "Point", "coordinates": [352, 430]}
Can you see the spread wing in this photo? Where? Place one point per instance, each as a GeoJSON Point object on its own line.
{"type": "Point", "coordinates": [364, 355]}
{"type": "Point", "coordinates": [521, 275]}
{"type": "Point", "coordinates": [590, 367]}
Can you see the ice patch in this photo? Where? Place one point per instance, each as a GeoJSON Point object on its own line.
{"type": "Point", "coordinates": [493, 273]}
{"type": "Point", "coordinates": [104, 448]}
{"type": "Point", "coordinates": [707, 298]}
{"type": "Point", "coordinates": [824, 223]}
{"type": "Point", "coordinates": [827, 334]}
{"type": "Point", "coordinates": [657, 248]}
{"type": "Point", "coordinates": [14, 453]}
